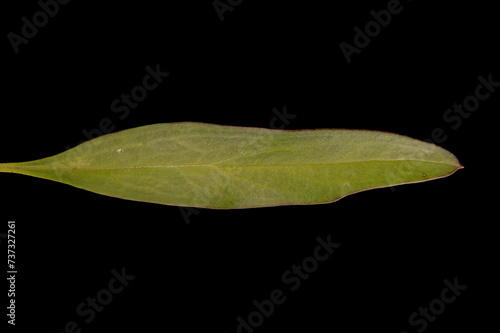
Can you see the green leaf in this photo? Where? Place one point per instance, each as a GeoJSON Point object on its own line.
{"type": "Point", "coordinates": [215, 166]}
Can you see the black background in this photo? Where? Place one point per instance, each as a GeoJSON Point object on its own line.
{"type": "Point", "coordinates": [199, 273]}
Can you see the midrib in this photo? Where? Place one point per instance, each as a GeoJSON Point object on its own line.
{"type": "Point", "coordinates": [12, 167]}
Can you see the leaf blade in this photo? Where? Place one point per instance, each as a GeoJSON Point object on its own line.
{"type": "Point", "coordinates": [214, 166]}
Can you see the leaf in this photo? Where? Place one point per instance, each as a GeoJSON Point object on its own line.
{"type": "Point", "coordinates": [215, 166]}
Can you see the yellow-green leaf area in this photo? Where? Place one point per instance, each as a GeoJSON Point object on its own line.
{"type": "Point", "coordinates": [224, 167]}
